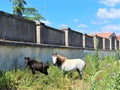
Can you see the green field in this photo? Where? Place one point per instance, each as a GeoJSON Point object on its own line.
{"type": "Point", "coordinates": [99, 74]}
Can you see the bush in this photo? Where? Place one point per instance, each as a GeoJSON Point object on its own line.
{"type": "Point", "coordinates": [92, 64]}
{"type": "Point", "coordinates": [115, 82]}
{"type": "Point", "coordinates": [5, 82]}
{"type": "Point", "coordinates": [24, 80]}
{"type": "Point", "coordinates": [107, 80]}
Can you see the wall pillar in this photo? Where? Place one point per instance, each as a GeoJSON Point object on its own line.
{"type": "Point", "coordinates": [95, 41]}
{"type": "Point", "coordinates": [39, 26]}
{"type": "Point", "coordinates": [115, 44]}
{"type": "Point", "coordinates": [104, 44]}
{"type": "Point", "coordinates": [84, 41]}
{"type": "Point", "coordinates": [110, 43]}
{"type": "Point", "coordinates": [66, 30]}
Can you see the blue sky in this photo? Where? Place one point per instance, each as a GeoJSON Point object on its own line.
{"type": "Point", "coordinates": [85, 16]}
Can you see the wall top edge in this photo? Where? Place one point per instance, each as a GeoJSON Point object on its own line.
{"type": "Point", "coordinates": [15, 43]}
{"type": "Point", "coordinates": [16, 17]}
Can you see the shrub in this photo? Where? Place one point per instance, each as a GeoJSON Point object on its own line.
{"type": "Point", "coordinates": [92, 64]}
{"type": "Point", "coordinates": [5, 82]}
{"type": "Point", "coordinates": [115, 82]}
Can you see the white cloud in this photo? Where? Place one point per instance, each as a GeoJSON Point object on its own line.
{"type": "Point", "coordinates": [110, 2]}
{"type": "Point", "coordinates": [63, 26]}
{"type": "Point", "coordinates": [76, 20]}
{"type": "Point", "coordinates": [111, 28]}
{"type": "Point", "coordinates": [108, 14]}
{"type": "Point", "coordinates": [100, 22]}
{"type": "Point", "coordinates": [82, 26]}
{"type": "Point", "coordinates": [46, 22]}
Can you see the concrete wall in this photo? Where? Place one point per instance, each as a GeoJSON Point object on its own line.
{"type": "Point", "coordinates": [49, 35]}
{"type": "Point", "coordinates": [69, 37]}
{"type": "Point", "coordinates": [74, 38]}
{"type": "Point", "coordinates": [118, 44]}
{"type": "Point", "coordinates": [100, 42]}
{"type": "Point", "coordinates": [107, 44]}
{"type": "Point", "coordinates": [16, 29]}
{"type": "Point", "coordinates": [89, 41]}
{"type": "Point", "coordinates": [113, 43]}
{"type": "Point", "coordinates": [12, 53]}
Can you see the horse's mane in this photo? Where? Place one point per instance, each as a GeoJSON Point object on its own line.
{"type": "Point", "coordinates": [32, 60]}
{"type": "Point", "coordinates": [61, 58]}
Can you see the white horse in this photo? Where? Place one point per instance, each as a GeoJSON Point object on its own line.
{"type": "Point", "coordinates": [68, 64]}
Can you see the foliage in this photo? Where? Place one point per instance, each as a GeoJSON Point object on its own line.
{"type": "Point", "coordinates": [91, 66]}
{"type": "Point", "coordinates": [93, 80]}
{"type": "Point", "coordinates": [115, 82]}
{"type": "Point", "coordinates": [30, 13]}
{"type": "Point", "coordinates": [5, 82]}
{"type": "Point", "coordinates": [24, 80]}
{"type": "Point", "coordinates": [106, 77]}
{"type": "Point", "coordinates": [93, 61]}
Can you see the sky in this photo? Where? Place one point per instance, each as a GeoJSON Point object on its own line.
{"type": "Point", "coordinates": [84, 16]}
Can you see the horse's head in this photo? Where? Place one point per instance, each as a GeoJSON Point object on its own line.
{"type": "Point", "coordinates": [54, 58]}
{"type": "Point", "coordinates": [57, 59]}
{"type": "Point", "coordinates": [27, 60]}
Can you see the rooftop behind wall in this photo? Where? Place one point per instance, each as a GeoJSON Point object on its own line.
{"type": "Point", "coordinates": [15, 28]}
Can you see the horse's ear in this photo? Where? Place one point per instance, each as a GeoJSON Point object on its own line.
{"type": "Point", "coordinates": [56, 53]}
{"type": "Point", "coordinates": [28, 57]}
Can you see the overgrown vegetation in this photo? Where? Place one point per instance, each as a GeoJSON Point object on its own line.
{"type": "Point", "coordinates": [103, 76]}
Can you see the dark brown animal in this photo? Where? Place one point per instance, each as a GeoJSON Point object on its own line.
{"type": "Point", "coordinates": [36, 66]}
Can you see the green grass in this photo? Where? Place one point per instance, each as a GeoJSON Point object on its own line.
{"type": "Point", "coordinates": [101, 75]}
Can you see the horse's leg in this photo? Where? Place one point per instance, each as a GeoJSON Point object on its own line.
{"type": "Point", "coordinates": [64, 73]}
{"type": "Point", "coordinates": [80, 73]}
{"type": "Point", "coordinates": [33, 71]}
{"type": "Point", "coordinates": [45, 71]}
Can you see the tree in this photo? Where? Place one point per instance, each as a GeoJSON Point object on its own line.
{"type": "Point", "coordinates": [19, 9]}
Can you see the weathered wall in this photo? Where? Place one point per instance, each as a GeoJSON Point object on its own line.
{"type": "Point", "coordinates": [75, 38]}
{"type": "Point", "coordinates": [16, 29]}
{"type": "Point", "coordinates": [19, 29]}
{"type": "Point", "coordinates": [113, 43]}
{"type": "Point", "coordinates": [12, 53]}
{"type": "Point", "coordinates": [52, 36]}
{"type": "Point", "coordinates": [118, 45]}
{"type": "Point", "coordinates": [89, 41]}
{"type": "Point", "coordinates": [100, 42]}
{"type": "Point", "coordinates": [107, 44]}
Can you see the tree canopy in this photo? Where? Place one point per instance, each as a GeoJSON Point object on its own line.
{"type": "Point", "coordinates": [30, 13]}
